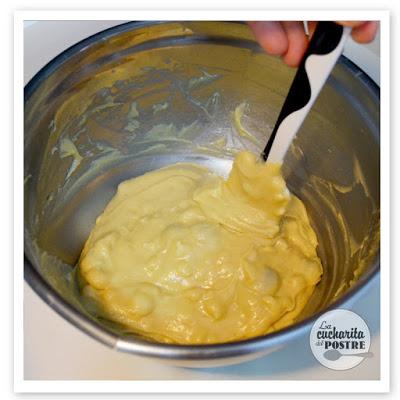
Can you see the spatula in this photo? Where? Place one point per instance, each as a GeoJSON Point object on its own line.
{"type": "Point", "coordinates": [325, 47]}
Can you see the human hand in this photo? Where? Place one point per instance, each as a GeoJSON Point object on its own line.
{"type": "Point", "coordinates": [288, 39]}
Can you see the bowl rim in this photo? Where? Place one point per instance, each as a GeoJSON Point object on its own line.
{"type": "Point", "coordinates": [177, 351]}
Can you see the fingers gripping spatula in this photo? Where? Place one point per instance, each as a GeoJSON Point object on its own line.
{"type": "Point", "coordinates": [325, 47]}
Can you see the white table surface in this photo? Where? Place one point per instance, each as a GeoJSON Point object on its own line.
{"type": "Point", "coordinates": [54, 349]}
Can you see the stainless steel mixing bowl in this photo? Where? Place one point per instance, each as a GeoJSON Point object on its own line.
{"type": "Point", "coordinates": [143, 95]}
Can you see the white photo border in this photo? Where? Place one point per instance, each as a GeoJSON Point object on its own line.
{"type": "Point", "coordinates": [188, 386]}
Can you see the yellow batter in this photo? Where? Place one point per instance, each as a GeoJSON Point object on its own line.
{"type": "Point", "coordinates": [181, 255]}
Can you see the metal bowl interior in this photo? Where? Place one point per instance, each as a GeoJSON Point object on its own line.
{"type": "Point", "coordinates": [140, 96]}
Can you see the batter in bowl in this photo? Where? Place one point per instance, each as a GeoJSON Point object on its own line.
{"type": "Point", "coordinates": [181, 255]}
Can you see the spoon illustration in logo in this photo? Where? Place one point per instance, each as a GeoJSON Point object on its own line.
{"type": "Point", "coordinates": [333, 355]}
